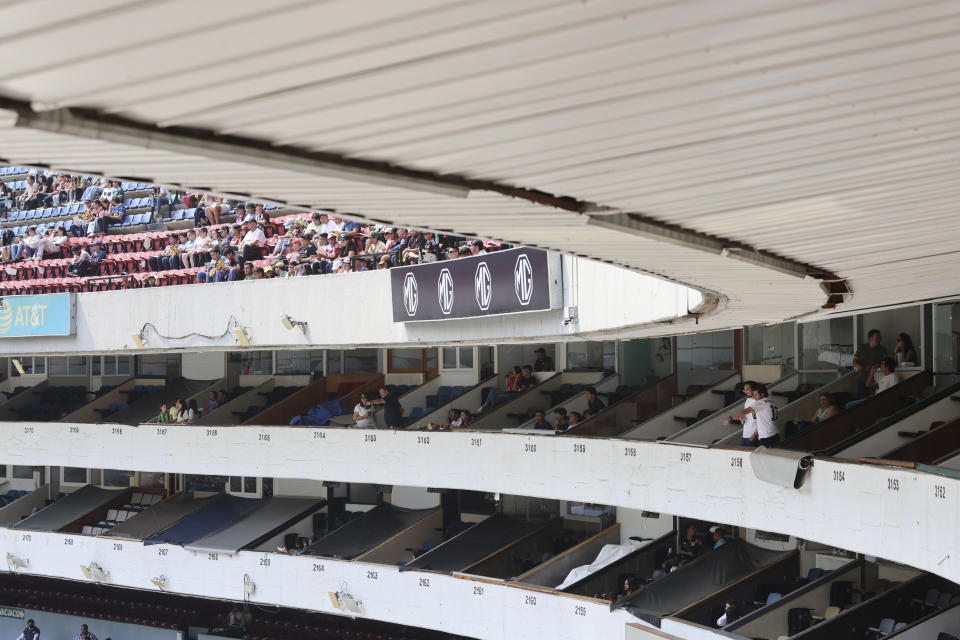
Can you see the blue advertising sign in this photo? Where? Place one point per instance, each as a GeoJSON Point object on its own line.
{"type": "Point", "coordinates": [49, 314]}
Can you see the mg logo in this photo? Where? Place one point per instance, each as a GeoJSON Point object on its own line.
{"type": "Point", "coordinates": [411, 298]}
{"type": "Point", "coordinates": [523, 279]}
{"type": "Point", "coordinates": [483, 286]}
{"type": "Point", "coordinates": [445, 292]}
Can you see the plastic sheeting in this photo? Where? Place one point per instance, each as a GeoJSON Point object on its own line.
{"type": "Point", "coordinates": [475, 544]}
{"type": "Point", "coordinates": [220, 513]}
{"type": "Point", "coordinates": [273, 516]}
{"type": "Point", "coordinates": [372, 528]}
{"type": "Point", "coordinates": [781, 467]}
{"type": "Point", "coordinates": [704, 576]}
{"type": "Point", "coordinates": [69, 508]}
{"type": "Point", "coordinates": [158, 517]}
{"type": "Point", "coordinates": [609, 554]}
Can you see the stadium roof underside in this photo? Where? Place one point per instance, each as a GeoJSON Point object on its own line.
{"type": "Point", "coordinates": [768, 152]}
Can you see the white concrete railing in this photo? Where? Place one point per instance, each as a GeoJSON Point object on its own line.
{"type": "Point", "coordinates": [896, 513]}
{"type": "Point", "coordinates": [346, 311]}
{"type": "Point", "coordinates": [463, 605]}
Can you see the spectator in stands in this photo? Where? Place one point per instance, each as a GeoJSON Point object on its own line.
{"type": "Point", "coordinates": [81, 265]}
{"type": "Point", "coordinates": [248, 271]}
{"type": "Point", "coordinates": [540, 421]}
{"type": "Point", "coordinates": [222, 397]}
{"type": "Point", "coordinates": [316, 225]}
{"type": "Point", "coordinates": [85, 634]}
{"type": "Point", "coordinates": [374, 244]}
{"type": "Point", "coordinates": [882, 376]}
{"type": "Point", "coordinates": [543, 361]}
{"type": "Point", "coordinates": [199, 253]}
{"type": "Point", "coordinates": [630, 585]}
{"type": "Point", "coordinates": [765, 416]}
{"type": "Point", "coordinates": [477, 249]}
{"type": "Point", "coordinates": [392, 409]}
{"type": "Point", "coordinates": [150, 282]}
{"type": "Point", "coordinates": [574, 419]}
{"type": "Point", "coordinates": [731, 611]}
{"type": "Point", "coordinates": [212, 402]}
{"type": "Point", "coordinates": [719, 536]}
{"type": "Point", "coordinates": [212, 208]}
{"type": "Point", "coordinates": [749, 433]}
{"type": "Point", "coordinates": [113, 214]}
{"type": "Point", "coordinates": [220, 268]}
{"type": "Point", "coordinates": [462, 420]}
{"type": "Point", "coordinates": [7, 239]}
{"type": "Point", "coordinates": [183, 411]}
{"type": "Point", "coordinates": [29, 196]}
{"type": "Point", "coordinates": [258, 274]}
{"type": "Point", "coordinates": [32, 632]}
{"type": "Point", "coordinates": [904, 351]}
{"type": "Point", "coordinates": [363, 413]}
{"type": "Point", "coordinates": [594, 404]}
{"type": "Point", "coordinates": [510, 380]}
{"type": "Point", "coordinates": [452, 416]}
{"type": "Point", "coordinates": [866, 356]}
{"type": "Point", "coordinates": [176, 410]}
{"type": "Point", "coordinates": [251, 247]}
{"type": "Point", "coordinates": [825, 411]}
{"type": "Point", "coordinates": [560, 419]}
{"type": "Point", "coordinates": [48, 244]}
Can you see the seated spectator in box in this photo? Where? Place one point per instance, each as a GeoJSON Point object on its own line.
{"type": "Point", "coordinates": [731, 612]}
{"type": "Point", "coordinates": [540, 421]}
{"type": "Point", "coordinates": [574, 419]}
{"type": "Point", "coordinates": [462, 420]}
{"type": "Point", "coordinates": [496, 396]}
{"type": "Point", "coordinates": [212, 402]}
{"type": "Point", "coordinates": [719, 536]}
{"type": "Point", "coordinates": [363, 413]}
{"type": "Point", "coordinates": [905, 353]}
{"type": "Point", "coordinates": [164, 415]}
{"type": "Point", "coordinates": [560, 419]}
{"type": "Point", "coordinates": [594, 404]}
{"type": "Point", "coordinates": [543, 361]}
{"type": "Point", "coordinates": [690, 547]}
{"type": "Point", "coordinates": [254, 240]}
{"type": "Point", "coordinates": [826, 410]}
{"type": "Point", "coordinates": [81, 265]}
{"type": "Point", "coordinates": [882, 376]}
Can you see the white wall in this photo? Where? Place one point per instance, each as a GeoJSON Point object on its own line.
{"type": "Point", "coordinates": [414, 498]}
{"type": "Point", "coordinates": [866, 508]}
{"type": "Point", "coordinates": [456, 604]}
{"type": "Point", "coordinates": [203, 366]}
{"type": "Point", "coordinates": [107, 320]}
{"type": "Point", "coordinates": [633, 523]}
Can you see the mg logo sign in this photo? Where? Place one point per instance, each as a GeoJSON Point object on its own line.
{"type": "Point", "coordinates": [411, 298]}
{"type": "Point", "coordinates": [523, 279]}
{"type": "Point", "coordinates": [445, 291]}
{"type": "Point", "coordinates": [483, 286]}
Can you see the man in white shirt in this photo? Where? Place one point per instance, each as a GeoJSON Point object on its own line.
{"type": "Point", "coordinates": [881, 378]}
{"type": "Point", "coordinates": [765, 416]}
{"type": "Point", "coordinates": [253, 241]}
{"type": "Point", "coordinates": [749, 435]}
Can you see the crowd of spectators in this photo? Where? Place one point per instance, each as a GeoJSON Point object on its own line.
{"type": "Point", "coordinates": [250, 247]}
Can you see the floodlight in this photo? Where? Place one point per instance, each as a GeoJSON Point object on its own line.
{"type": "Point", "coordinates": [138, 340]}
{"type": "Point", "coordinates": [289, 323]}
{"type": "Point", "coordinates": [241, 337]}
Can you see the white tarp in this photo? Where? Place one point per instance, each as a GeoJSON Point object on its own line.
{"type": "Point", "coordinates": [609, 554]}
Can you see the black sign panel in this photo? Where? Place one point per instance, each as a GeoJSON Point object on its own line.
{"type": "Point", "coordinates": [508, 281]}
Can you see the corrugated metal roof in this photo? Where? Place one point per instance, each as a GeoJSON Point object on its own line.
{"type": "Point", "coordinates": [820, 131]}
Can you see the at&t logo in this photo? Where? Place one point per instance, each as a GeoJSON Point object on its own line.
{"type": "Point", "coordinates": [445, 292]}
{"type": "Point", "coordinates": [523, 279]}
{"type": "Point", "coordinates": [483, 286]}
{"type": "Point", "coordinates": [411, 298]}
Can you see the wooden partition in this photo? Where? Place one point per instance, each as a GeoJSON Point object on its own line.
{"type": "Point", "coordinates": [637, 407]}
{"type": "Point", "coordinates": [100, 513]}
{"type": "Point", "coordinates": [396, 548]}
{"type": "Point", "coordinates": [835, 430]}
{"type": "Point", "coordinates": [227, 413]}
{"type": "Point", "coordinates": [553, 572]}
{"type": "Point", "coordinates": [21, 400]}
{"type": "Point", "coordinates": [500, 564]}
{"type": "Point", "coordinates": [89, 413]}
{"type": "Point", "coordinates": [926, 448]}
{"type": "Point", "coordinates": [371, 385]}
{"type": "Point", "coordinates": [780, 575]}
{"type": "Point", "coordinates": [296, 404]}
